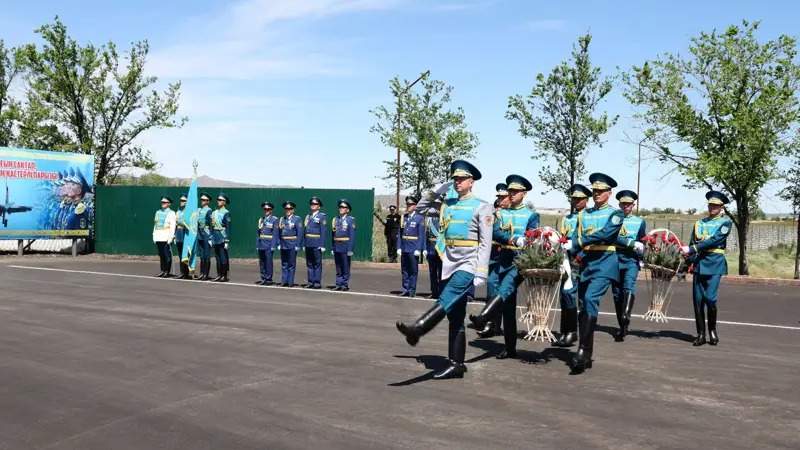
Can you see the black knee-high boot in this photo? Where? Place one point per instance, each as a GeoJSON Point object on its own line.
{"type": "Point", "coordinates": [569, 328]}
{"type": "Point", "coordinates": [486, 313]}
{"type": "Point", "coordinates": [619, 308]}
{"type": "Point", "coordinates": [457, 347]}
{"type": "Point", "coordinates": [630, 298]}
{"type": "Point", "coordinates": [509, 330]}
{"type": "Point", "coordinates": [424, 324]}
{"type": "Point", "coordinates": [713, 339]}
{"type": "Point", "coordinates": [583, 358]}
{"type": "Point", "coordinates": [700, 323]}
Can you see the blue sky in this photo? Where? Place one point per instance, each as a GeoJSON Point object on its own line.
{"type": "Point", "coordinates": [279, 91]}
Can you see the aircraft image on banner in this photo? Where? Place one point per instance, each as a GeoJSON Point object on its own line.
{"type": "Point", "coordinates": [8, 208]}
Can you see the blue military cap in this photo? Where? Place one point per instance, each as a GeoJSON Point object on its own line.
{"type": "Point", "coordinates": [183, 198]}
{"type": "Point", "coordinates": [315, 200]}
{"type": "Point", "coordinates": [627, 196]}
{"type": "Point", "coordinates": [166, 199]}
{"type": "Point", "coordinates": [518, 183]}
{"type": "Point", "coordinates": [205, 196]}
{"type": "Point", "coordinates": [224, 197]}
{"type": "Point", "coordinates": [601, 181]}
{"type": "Point", "coordinates": [411, 200]}
{"type": "Point", "coordinates": [74, 175]}
{"type": "Point", "coordinates": [267, 205]}
{"type": "Point", "coordinates": [501, 188]}
{"type": "Point", "coordinates": [289, 205]}
{"type": "Point", "coordinates": [579, 191]}
{"type": "Point", "coordinates": [461, 168]}
{"type": "Point", "coordinates": [717, 198]}
{"type": "Point", "coordinates": [343, 203]}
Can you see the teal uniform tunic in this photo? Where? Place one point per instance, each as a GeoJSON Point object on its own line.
{"type": "Point", "coordinates": [517, 220]}
{"type": "Point", "coordinates": [632, 231]}
{"type": "Point", "coordinates": [569, 297]}
{"type": "Point", "coordinates": [707, 253]}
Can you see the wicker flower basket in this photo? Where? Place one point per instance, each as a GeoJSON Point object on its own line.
{"type": "Point", "coordinates": [542, 274]}
{"type": "Point", "coordinates": [660, 271]}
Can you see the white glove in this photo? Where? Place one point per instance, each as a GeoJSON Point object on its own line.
{"type": "Point", "coordinates": [349, 253]}
{"type": "Point", "coordinates": [322, 249]}
{"type": "Point", "coordinates": [399, 252]}
{"type": "Point", "coordinates": [520, 241]}
{"type": "Point", "coordinates": [425, 253]}
{"type": "Point", "coordinates": [478, 281]}
{"type": "Point", "coordinates": [297, 249]}
{"type": "Point", "coordinates": [333, 252]}
{"type": "Point", "coordinates": [685, 249]}
{"type": "Point", "coordinates": [416, 252]}
{"type": "Point", "coordinates": [638, 247]}
{"type": "Point", "coordinates": [279, 247]}
{"type": "Point", "coordinates": [567, 245]}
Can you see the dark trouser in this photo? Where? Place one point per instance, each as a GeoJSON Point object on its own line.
{"type": "Point", "coordinates": [342, 269]}
{"type": "Point", "coordinates": [453, 299]}
{"type": "Point", "coordinates": [165, 256]}
{"type": "Point", "coordinates": [435, 272]}
{"type": "Point", "coordinates": [204, 253]}
{"type": "Point", "coordinates": [183, 267]}
{"type": "Point", "coordinates": [409, 269]}
{"type": "Point", "coordinates": [288, 266]}
{"type": "Point", "coordinates": [391, 244]}
{"type": "Point", "coordinates": [314, 265]}
{"type": "Point", "coordinates": [265, 264]}
{"type": "Point", "coordinates": [221, 256]}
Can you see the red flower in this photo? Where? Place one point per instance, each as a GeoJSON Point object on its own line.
{"type": "Point", "coordinates": [562, 240]}
{"type": "Point", "coordinates": [529, 234]}
{"type": "Point", "coordinates": [664, 237]}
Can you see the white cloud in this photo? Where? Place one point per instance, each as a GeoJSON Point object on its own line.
{"type": "Point", "coordinates": [547, 25]}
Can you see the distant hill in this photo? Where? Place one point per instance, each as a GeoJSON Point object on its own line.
{"type": "Point", "coordinates": [154, 179]}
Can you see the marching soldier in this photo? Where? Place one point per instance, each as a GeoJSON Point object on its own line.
{"type": "Point", "coordinates": [410, 243]}
{"type": "Point", "coordinates": [579, 196]}
{"type": "Point", "coordinates": [344, 239]}
{"type": "Point", "coordinates": [500, 233]}
{"type": "Point", "coordinates": [520, 220]}
{"type": "Point", "coordinates": [266, 243]}
{"type": "Point", "coordinates": [316, 228]}
{"type": "Point", "coordinates": [706, 250]}
{"type": "Point", "coordinates": [291, 232]}
{"type": "Point", "coordinates": [180, 232]}
{"type": "Point", "coordinates": [629, 253]}
{"type": "Point", "coordinates": [163, 234]}
{"type": "Point", "coordinates": [220, 237]}
{"type": "Point", "coordinates": [464, 243]}
{"type": "Point", "coordinates": [434, 261]}
{"type": "Point", "coordinates": [595, 236]}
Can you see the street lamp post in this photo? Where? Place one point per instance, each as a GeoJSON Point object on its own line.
{"type": "Point", "coordinates": [397, 126]}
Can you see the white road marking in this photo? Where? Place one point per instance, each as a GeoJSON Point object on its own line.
{"type": "Point", "coordinates": [364, 294]}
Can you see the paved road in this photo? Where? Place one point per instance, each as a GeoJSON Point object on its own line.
{"type": "Point", "coordinates": [116, 359]}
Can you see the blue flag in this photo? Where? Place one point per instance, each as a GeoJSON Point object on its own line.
{"type": "Point", "coordinates": [190, 218]}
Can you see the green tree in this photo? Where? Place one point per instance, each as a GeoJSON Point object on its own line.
{"type": "Point", "coordinates": [10, 68]}
{"type": "Point", "coordinates": [791, 193]}
{"type": "Point", "coordinates": [733, 101]}
{"type": "Point", "coordinates": [430, 135]}
{"type": "Point", "coordinates": [560, 116]}
{"type": "Point", "coordinates": [91, 100]}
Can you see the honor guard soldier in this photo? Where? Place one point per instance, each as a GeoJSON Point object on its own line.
{"type": "Point", "coordinates": [266, 243]}
{"type": "Point", "coordinates": [500, 234]}
{"type": "Point", "coordinates": [464, 244]}
{"type": "Point", "coordinates": [579, 196]}
{"type": "Point", "coordinates": [519, 219]}
{"type": "Point", "coordinates": [291, 232]}
{"type": "Point", "coordinates": [434, 261]}
{"type": "Point", "coordinates": [220, 237]}
{"type": "Point", "coordinates": [163, 235]}
{"type": "Point", "coordinates": [391, 229]}
{"type": "Point", "coordinates": [629, 254]}
{"type": "Point", "coordinates": [180, 231]}
{"type": "Point", "coordinates": [410, 244]}
{"type": "Point", "coordinates": [706, 251]}
{"type": "Point", "coordinates": [595, 235]}
{"type": "Point", "coordinates": [316, 229]}
{"type": "Point", "coordinates": [343, 235]}
{"type": "Point", "coordinates": [204, 236]}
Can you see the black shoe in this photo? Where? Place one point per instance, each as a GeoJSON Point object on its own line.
{"type": "Point", "coordinates": [569, 328]}
{"type": "Point", "coordinates": [260, 282]}
{"type": "Point", "coordinates": [455, 370]}
{"type": "Point", "coordinates": [337, 288]}
{"type": "Point", "coordinates": [699, 340]}
{"type": "Point", "coordinates": [583, 358]}
{"type": "Point", "coordinates": [581, 361]}
{"type": "Point", "coordinates": [566, 339]}
{"type": "Point", "coordinates": [486, 313]}
{"type": "Point", "coordinates": [268, 283]}
{"type": "Point", "coordinates": [161, 275]}
{"type": "Point", "coordinates": [505, 354]}
{"type": "Point", "coordinates": [700, 324]}
{"type": "Point", "coordinates": [344, 289]}
{"type": "Point", "coordinates": [412, 294]}
{"type": "Point", "coordinates": [488, 331]}
{"type": "Point", "coordinates": [424, 324]}
{"type": "Point", "coordinates": [713, 339]}
{"type": "Point", "coordinates": [168, 275]}
{"type": "Point", "coordinates": [405, 294]}
{"type": "Point", "coordinates": [318, 286]}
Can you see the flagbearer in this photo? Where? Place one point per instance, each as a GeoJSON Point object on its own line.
{"type": "Point", "coordinates": [180, 231]}
{"type": "Point", "coordinates": [410, 243]}
{"type": "Point", "coordinates": [266, 243]}
{"type": "Point", "coordinates": [434, 261]}
{"type": "Point", "coordinates": [291, 233]}
{"type": "Point", "coordinates": [204, 236]}
{"type": "Point", "coordinates": [629, 254]}
{"type": "Point", "coordinates": [706, 250]}
{"type": "Point", "coordinates": [316, 228]}
{"type": "Point", "coordinates": [163, 235]}
{"type": "Point", "coordinates": [220, 236]}
{"type": "Point", "coordinates": [579, 196]}
{"type": "Point", "coordinates": [344, 240]}
{"type": "Point", "coordinates": [464, 244]}
{"type": "Point", "coordinates": [595, 236]}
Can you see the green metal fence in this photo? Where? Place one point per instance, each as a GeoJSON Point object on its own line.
{"type": "Point", "coordinates": [124, 215]}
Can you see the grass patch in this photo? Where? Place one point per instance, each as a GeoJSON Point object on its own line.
{"type": "Point", "coordinates": [777, 262]}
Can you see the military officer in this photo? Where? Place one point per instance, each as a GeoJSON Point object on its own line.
{"type": "Point", "coordinates": [579, 196]}
{"type": "Point", "coordinates": [706, 251]}
{"type": "Point", "coordinates": [410, 244]}
{"type": "Point", "coordinates": [434, 261]}
{"type": "Point", "coordinates": [343, 235]}
{"type": "Point", "coordinates": [316, 229]}
{"type": "Point", "coordinates": [180, 232]}
{"type": "Point", "coordinates": [500, 235]}
{"type": "Point", "coordinates": [204, 236]}
{"type": "Point", "coordinates": [163, 235]}
{"type": "Point", "coordinates": [595, 236]}
{"type": "Point", "coordinates": [392, 230]}
{"type": "Point", "coordinates": [266, 243]}
{"type": "Point", "coordinates": [520, 219]}
{"type": "Point", "coordinates": [291, 233]}
{"type": "Point", "coordinates": [464, 244]}
{"type": "Point", "coordinates": [629, 253]}
{"type": "Point", "coordinates": [220, 236]}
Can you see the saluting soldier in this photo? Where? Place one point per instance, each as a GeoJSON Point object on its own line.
{"type": "Point", "coordinates": [410, 243]}
{"type": "Point", "coordinates": [706, 251]}
{"type": "Point", "coordinates": [464, 244]}
{"type": "Point", "coordinates": [180, 232]}
{"type": "Point", "coordinates": [500, 234]}
{"type": "Point", "coordinates": [163, 234]}
{"type": "Point", "coordinates": [520, 219]}
{"type": "Point", "coordinates": [204, 236]}
{"type": "Point", "coordinates": [595, 235]}
{"type": "Point", "coordinates": [220, 237]}
{"type": "Point", "coordinates": [343, 234]}
{"type": "Point", "coordinates": [579, 196]}
{"type": "Point", "coordinates": [291, 232]}
{"type": "Point", "coordinates": [266, 243]}
{"type": "Point", "coordinates": [629, 253]}
{"type": "Point", "coordinates": [430, 254]}
{"type": "Point", "coordinates": [316, 228]}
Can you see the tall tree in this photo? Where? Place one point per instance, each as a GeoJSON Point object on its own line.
{"type": "Point", "coordinates": [430, 135]}
{"type": "Point", "coordinates": [791, 193]}
{"type": "Point", "coordinates": [560, 116]}
{"type": "Point", "coordinates": [733, 101]}
{"type": "Point", "coordinates": [91, 100]}
{"type": "Point", "coordinates": [10, 68]}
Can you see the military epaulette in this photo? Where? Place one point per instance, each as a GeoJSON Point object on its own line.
{"type": "Point", "coordinates": [80, 209]}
